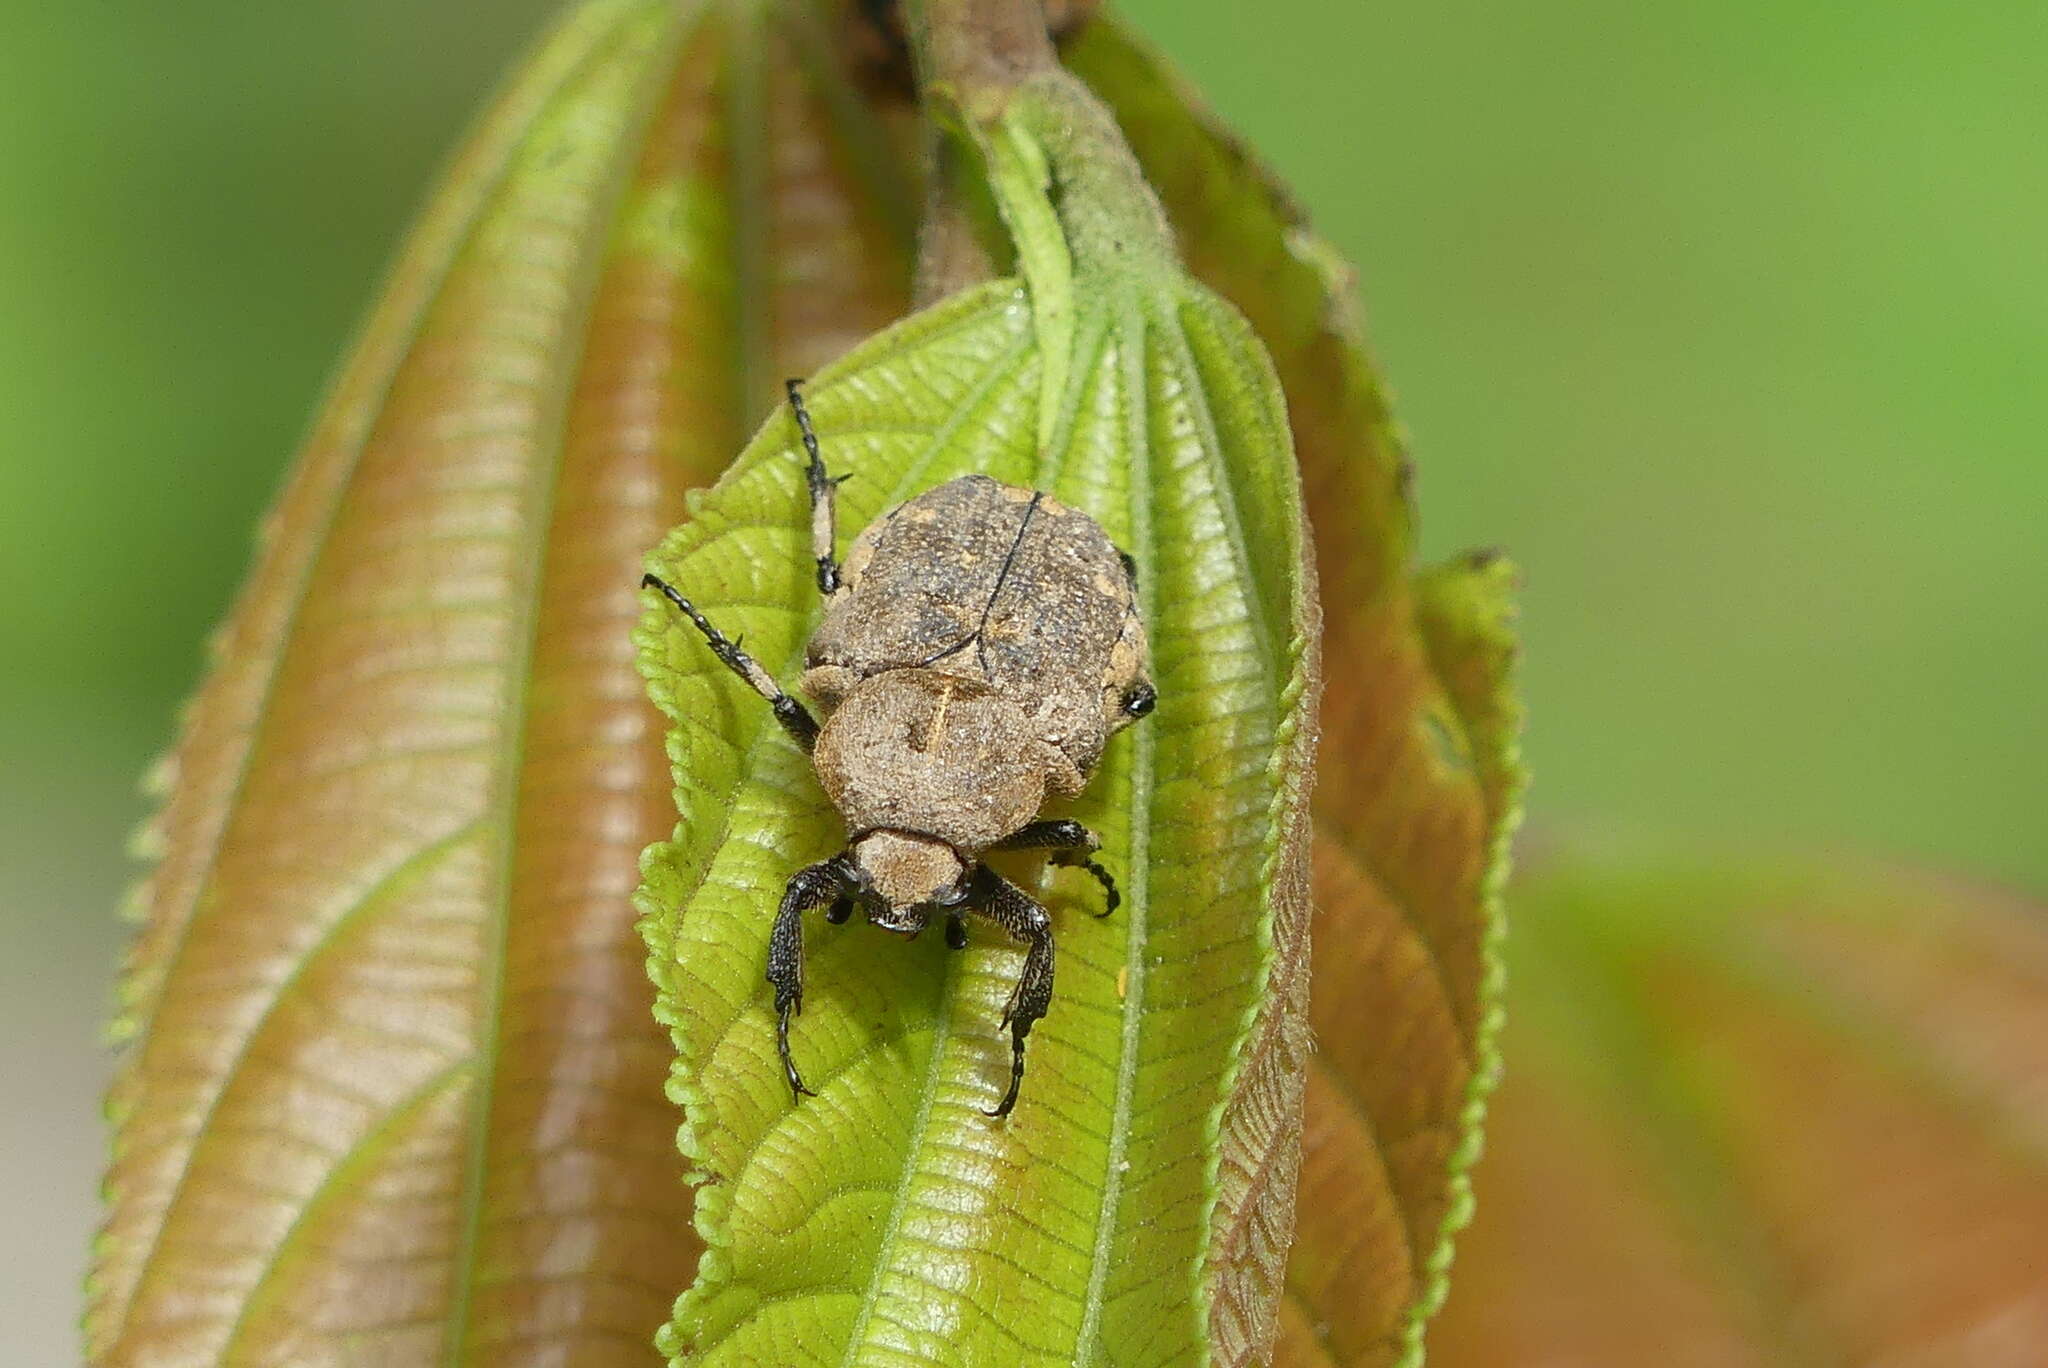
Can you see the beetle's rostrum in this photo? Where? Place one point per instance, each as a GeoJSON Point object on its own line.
{"type": "Point", "coordinates": [980, 644]}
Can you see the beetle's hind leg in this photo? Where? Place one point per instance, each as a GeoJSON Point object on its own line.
{"type": "Point", "coordinates": [824, 494]}
{"type": "Point", "coordinates": [1073, 846]}
{"type": "Point", "coordinates": [818, 885]}
{"type": "Point", "coordinates": [1008, 907]}
{"type": "Point", "coordinates": [795, 718]}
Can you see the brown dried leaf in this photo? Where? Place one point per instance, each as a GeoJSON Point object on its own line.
{"type": "Point", "coordinates": [392, 1093]}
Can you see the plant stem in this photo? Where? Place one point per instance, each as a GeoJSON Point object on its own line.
{"type": "Point", "coordinates": [988, 69]}
{"type": "Point", "coordinates": [987, 47]}
{"type": "Point", "coordinates": [952, 250]}
{"type": "Point", "coordinates": [979, 48]}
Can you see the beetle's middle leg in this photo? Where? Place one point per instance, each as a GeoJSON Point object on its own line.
{"type": "Point", "coordinates": [795, 718]}
{"type": "Point", "coordinates": [826, 882]}
{"type": "Point", "coordinates": [824, 494]}
{"type": "Point", "coordinates": [1002, 902]}
{"type": "Point", "coordinates": [1073, 846]}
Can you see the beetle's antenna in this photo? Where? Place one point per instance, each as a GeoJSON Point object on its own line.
{"type": "Point", "coordinates": [824, 494]}
{"type": "Point", "coordinates": [795, 718]}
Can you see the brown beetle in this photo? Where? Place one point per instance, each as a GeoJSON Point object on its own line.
{"type": "Point", "coordinates": [978, 647]}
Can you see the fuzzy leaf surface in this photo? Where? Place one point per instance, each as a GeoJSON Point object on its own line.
{"type": "Point", "coordinates": [888, 1220]}
{"type": "Point", "coordinates": [391, 1093]}
{"type": "Point", "coordinates": [1420, 777]}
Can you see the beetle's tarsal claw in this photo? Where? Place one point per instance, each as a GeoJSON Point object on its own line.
{"type": "Point", "coordinates": [1016, 1073]}
{"type": "Point", "coordinates": [1111, 899]}
{"type": "Point", "coordinates": [796, 1082]}
{"type": "Point", "coordinates": [1078, 859]}
{"type": "Point", "coordinates": [956, 933]}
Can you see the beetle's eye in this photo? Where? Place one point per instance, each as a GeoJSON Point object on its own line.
{"type": "Point", "coordinates": [1140, 700]}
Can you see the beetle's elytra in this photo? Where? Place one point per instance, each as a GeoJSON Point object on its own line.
{"type": "Point", "coordinates": [979, 646]}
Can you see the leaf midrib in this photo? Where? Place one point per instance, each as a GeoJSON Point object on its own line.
{"type": "Point", "coordinates": [942, 1029]}
{"type": "Point", "coordinates": [1139, 873]}
{"type": "Point", "coordinates": [609, 193]}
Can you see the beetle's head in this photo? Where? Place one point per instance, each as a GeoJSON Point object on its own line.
{"type": "Point", "coordinates": [905, 872]}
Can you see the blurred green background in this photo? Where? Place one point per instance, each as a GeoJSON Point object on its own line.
{"type": "Point", "coordinates": [1728, 321]}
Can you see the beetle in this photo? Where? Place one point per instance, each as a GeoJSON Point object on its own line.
{"type": "Point", "coordinates": [979, 645]}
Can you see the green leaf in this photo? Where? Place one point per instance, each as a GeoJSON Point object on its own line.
{"type": "Point", "coordinates": [1420, 780]}
{"type": "Point", "coordinates": [888, 1219]}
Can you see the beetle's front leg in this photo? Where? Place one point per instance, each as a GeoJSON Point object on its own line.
{"type": "Point", "coordinates": [812, 886]}
{"type": "Point", "coordinates": [1072, 846]}
{"type": "Point", "coordinates": [1008, 907]}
